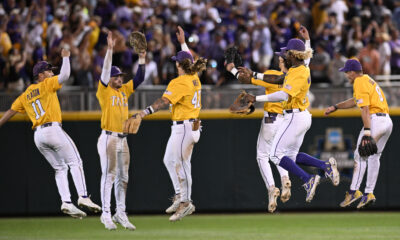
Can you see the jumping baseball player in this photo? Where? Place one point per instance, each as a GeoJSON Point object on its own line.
{"type": "Point", "coordinates": [112, 144]}
{"type": "Point", "coordinates": [368, 96]}
{"type": "Point", "coordinates": [273, 118]}
{"type": "Point", "coordinates": [297, 119]}
{"type": "Point", "coordinates": [184, 94]}
{"type": "Point", "coordinates": [40, 103]}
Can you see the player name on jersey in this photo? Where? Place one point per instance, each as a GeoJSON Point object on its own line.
{"type": "Point", "coordinates": [32, 94]}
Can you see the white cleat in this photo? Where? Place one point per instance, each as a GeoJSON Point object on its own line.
{"type": "Point", "coordinates": [122, 218]}
{"type": "Point", "coordinates": [332, 172]}
{"type": "Point", "coordinates": [272, 196]}
{"type": "Point", "coordinates": [286, 193]}
{"type": "Point", "coordinates": [87, 203]}
{"type": "Point", "coordinates": [175, 204]}
{"type": "Point", "coordinates": [107, 221]}
{"type": "Point", "coordinates": [184, 209]}
{"type": "Point", "coordinates": [70, 209]}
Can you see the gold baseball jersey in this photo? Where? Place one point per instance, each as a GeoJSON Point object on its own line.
{"type": "Point", "coordinates": [297, 83]}
{"type": "Point", "coordinates": [366, 92]}
{"type": "Point", "coordinates": [184, 93]}
{"type": "Point", "coordinates": [40, 102]}
{"type": "Point", "coordinates": [272, 107]}
{"type": "Point", "coordinates": [114, 105]}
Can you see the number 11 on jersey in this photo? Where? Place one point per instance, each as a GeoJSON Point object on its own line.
{"type": "Point", "coordinates": [196, 100]}
{"type": "Point", "coordinates": [39, 107]}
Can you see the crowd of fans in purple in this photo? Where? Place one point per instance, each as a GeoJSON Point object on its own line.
{"type": "Point", "coordinates": [32, 30]}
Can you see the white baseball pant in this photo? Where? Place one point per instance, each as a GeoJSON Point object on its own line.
{"type": "Point", "coordinates": [290, 135]}
{"type": "Point", "coordinates": [381, 128]}
{"type": "Point", "coordinates": [60, 151]}
{"type": "Point", "coordinates": [114, 160]}
{"type": "Point", "coordinates": [265, 138]}
{"type": "Point", "coordinates": [177, 158]}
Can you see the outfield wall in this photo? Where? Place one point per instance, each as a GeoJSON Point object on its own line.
{"type": "Point", "coordinates": [224, 167]}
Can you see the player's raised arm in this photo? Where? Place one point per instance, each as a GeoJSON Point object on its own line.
{"type": "Point", "coordinates": [139, 77]}
{"type": "Point", "coordinates": [304, 34]}
{"type": "Point", "coordinates": [180, 35]}
{"type": "Point", "coordinates": [106, 71]}
{"type": "Point", "coordinates": [7, 115]}
{"type": "Point", "coordinates": [269, 78]}
{"type": "Point", "coordinates": [65, 71]}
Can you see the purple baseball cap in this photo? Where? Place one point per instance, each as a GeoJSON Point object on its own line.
{"type": "Point", "coordinates": [293, 44]}
{"type": "Point", "coordinates": [182, 55]}
{"type": "Point", "coordinates": [351, 65]}
{"type": "Point", "coordinates": [115, 71]}
{"type": "Point", "coordinates": [41, 67]}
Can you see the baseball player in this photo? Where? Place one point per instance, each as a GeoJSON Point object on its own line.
{"type": "Point", "coordinates": [112, 144]}
{"type": "Point", "coordinates": [297, 119]}
{"type": "Point", "coordinates": [369, 97]}
{"type": "Point", "coordinates": [40, 103]}
{"type": "Point", "coordinates": [184, 94]}
{"type": "Point", "coordinates": [273, 118]}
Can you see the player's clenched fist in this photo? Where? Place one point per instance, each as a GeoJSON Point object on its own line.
{"type": "Point", "coordinates": [65, 53]}
{"type": "Point", "coordinates": [330, 110]}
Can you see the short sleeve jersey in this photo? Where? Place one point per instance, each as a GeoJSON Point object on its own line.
{"type": "Point", "coordinates": [297, 83]}
{"type": "Point", "coordinates": [366, 92]}
{"type": "Point", "coordinates": [184, 93]}
{"type": "Point", "coordinates": [272, 107]}
{"type": "Point", "coordinates": [114, 105]}
{"type": "Point", "coordinates": [40, 102]}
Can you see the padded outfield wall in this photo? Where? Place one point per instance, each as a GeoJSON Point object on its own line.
{"type": "Point", "coordinates": [224, 167]}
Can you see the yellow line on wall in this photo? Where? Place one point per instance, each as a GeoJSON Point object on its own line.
{"type": "Point", "coordinates": [204, 114]}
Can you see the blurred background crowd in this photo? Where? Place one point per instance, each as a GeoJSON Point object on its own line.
{"type": "Point", "coordinates": [35, 30]}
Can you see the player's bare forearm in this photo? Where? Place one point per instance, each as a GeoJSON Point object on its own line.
{"type": "Point", "coordinates": [160, 103]}
{"type": "Point", "coordinates": [7, 115]}
{"type": "Point", "coordinates": [349, 103]}
{"type": "Point", "coordinates": [366, 117]}
{"type": "Point", "coordinates": [274, 79]}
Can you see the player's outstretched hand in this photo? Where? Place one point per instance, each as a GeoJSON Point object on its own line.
{"type": "Point", "coordinates": [65, 53]}
{"type": "Point", "coordinates": [110, 41]}
{"type": "Point", "coordinates": [330, 110]}
{"type": "Point", "coordinates": [304, 33]}
{"type": "Point", "coordinates": [180, 35]}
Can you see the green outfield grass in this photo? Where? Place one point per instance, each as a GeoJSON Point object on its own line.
{"type": "Point", "coordinates": [296, 226]}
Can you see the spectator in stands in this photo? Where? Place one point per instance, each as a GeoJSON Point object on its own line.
{"type": "Point", "coordinates": [395, 48]}
{"type": "Point", "coordinates": [384, 52]}
{"type": "Point", "coordinates": [337, 78]}
{"type": "Point", "coordinates": [319, 65]}
{"type": "Point", "coordinates": [370, 59]}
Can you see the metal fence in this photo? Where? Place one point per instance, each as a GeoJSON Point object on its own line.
{"type": "Point", "coordinates": [76, 99]}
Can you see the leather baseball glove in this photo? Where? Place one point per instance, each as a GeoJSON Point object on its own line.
{"type": "Point", "coordinates": [232, 55]}
{"type": "Point", "coordinates": [367, 146]}
{"type": "Point", "coordinates": [138, 41]}
{"type": "Point", "coordinates": [132, 124]}
{"type": "Point", "coordinates": [243, 104]}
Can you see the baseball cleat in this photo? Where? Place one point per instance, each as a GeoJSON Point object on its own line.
{"type": "Point", "coordinates": [332, 173]}
{"type": "Point", "coordinates": [175, 204]}
{"type": "Point", "coordinates": [311, 186]}
{"type": "Point", "coordinates": [87, 203]}
{"type": "Point", "coordinates": [286, 193]}
{"type": "Point", "coordinates": [273, 194]}
{"type": "Point", "coordinates": [350, 198]}
{"type": "Point", "coordinates": [184, 209]}
{"type": "Point", "coordinates": [70, 209]}
{"type": "Point", "coordinates": [107, 221]}
{"type": "Point", "coordinates": [367, 199]}
{"type": "Point", "coordinates": [122, 218]}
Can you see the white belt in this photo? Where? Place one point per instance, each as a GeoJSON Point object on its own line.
{"type": "Point", "coordinates": [115, 134]}
{"type": "Point", "coordinates": [182, 122]}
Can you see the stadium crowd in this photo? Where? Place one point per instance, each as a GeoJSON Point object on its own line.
{"type": "Point", "coordinates": [34, 30]}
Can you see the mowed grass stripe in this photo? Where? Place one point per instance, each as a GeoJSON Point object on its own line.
{"type": "Point", "coordinates": [307, 226]}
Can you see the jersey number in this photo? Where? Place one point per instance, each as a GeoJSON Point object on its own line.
{"type": "Point", "coordinates": [379, 91]}
{"type": "Point", "coordinates": [196, 99]}
{"type": "Point", "coordinates": [39, 107]}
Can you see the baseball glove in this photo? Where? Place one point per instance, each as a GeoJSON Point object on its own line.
{"type": "Point", "coordinates": [232, 55]}
{"type": "Point", "coordinates": [243, 104]}
{"type": "Point", "coordinates": [132, 124]}
{"type": "Point", "coordinates": [138, 41]}
{"type": "Point", "coordinates": [367, 146]}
